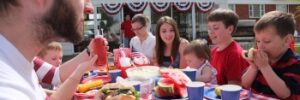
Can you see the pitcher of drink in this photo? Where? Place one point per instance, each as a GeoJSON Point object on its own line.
{"type": "Point", "coordinates": [100, 48]}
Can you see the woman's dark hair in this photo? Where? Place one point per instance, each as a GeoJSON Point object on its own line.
{"type": "Point", "coordinates": [160, 45]}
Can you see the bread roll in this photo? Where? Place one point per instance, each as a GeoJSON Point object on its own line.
{"type": "Point", "coordinates": [248, 54]}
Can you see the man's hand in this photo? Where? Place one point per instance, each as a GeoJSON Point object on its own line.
{"type": "Point", "coordinates": [91, 46]}
{"type": "Point", "coordinates": [88, 65]}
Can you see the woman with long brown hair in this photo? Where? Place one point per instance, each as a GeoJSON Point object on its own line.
{"type": "Point", "coordinates": [169, 46]}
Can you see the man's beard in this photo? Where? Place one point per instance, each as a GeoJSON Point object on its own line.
{"type": "Point", "coordinates": [59, 24]}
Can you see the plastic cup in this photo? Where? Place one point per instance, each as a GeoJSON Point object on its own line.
{"type": "Point", "coordinates": [114, 74]}
{"type": "Point", "coordinates": [230, 92]}
{"type": "Point", "coordinates": [195, 90]}
{"type": "Point", "coordinates": [137, 85]}
{"type": "Point", "coordinates": [146, 89]}
{"type": "Point", "coordinates": [191, 73]}
{"type": "Point", "coordinates": [156, 79]}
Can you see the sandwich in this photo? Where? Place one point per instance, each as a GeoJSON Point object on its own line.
{"type": "Point", "coordinates": [248, 55]}
{"type": "Point", "coordinates": [118, 91]}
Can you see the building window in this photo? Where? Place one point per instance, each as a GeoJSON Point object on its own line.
{"type": "Point", "coordinates": [281, 7]}
{"type": "Point", "coordinates": [184, 22]}
{"type": "Point", "coordinates": [231, 6]}
{"type": "Point", "coordinates": [256, 10]}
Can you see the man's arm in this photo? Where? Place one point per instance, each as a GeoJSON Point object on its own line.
{"type": "Point", "coordinates": [68, 67]}
{"type": "Point", "coordinates": [67, 89]}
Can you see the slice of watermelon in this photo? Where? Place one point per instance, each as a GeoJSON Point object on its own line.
{"type": "Point", "coordinates": [165, 88]}
{"type": "Point", "coordinates": [178, 78]}
{"type": "Point", "coordinates": [181, 91]}
{"type": "Point", "coordinates": [164, 72]}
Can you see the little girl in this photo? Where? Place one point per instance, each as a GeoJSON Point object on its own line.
{"type": "Point", "coordinates": [197, 56]}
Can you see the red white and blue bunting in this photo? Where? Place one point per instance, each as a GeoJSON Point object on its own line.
{"type": "Point", "coordinates": [183, 6]}
{"type": "Point", "coordinates": [205, 6]}
{"type": "Point", "coordinates": [157, 6]}
{"type": "Point", "coordinates": [112, 8]}
{"type": "Point", "coordinates": [160, 6]}
{"type": "Point", "coordinates": [137, 6]}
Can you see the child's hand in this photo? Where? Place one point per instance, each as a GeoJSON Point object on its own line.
{"type": "Point", "coordinates": [88, 65]}
{"type": "Point", "coordinates": [252, 64]}
{"type": "Point", "coordinates": [261, 59]}
{"type": "Point", "coordinates": [249, 55]}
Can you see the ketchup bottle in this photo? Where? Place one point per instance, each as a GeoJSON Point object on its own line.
{"type": "Point", "coordinates": [100, 48]}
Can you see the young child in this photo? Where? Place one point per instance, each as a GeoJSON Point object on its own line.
{"type": "Point", "coordinates": [197, 56]}
{"type": "Point", "coordinates": [226, 55]}
{"type": "Point", "coordinates": [274, 70]}
{"type": "Point", "coordinates": [52, 53]}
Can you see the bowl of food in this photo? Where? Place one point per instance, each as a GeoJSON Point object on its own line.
{"type": "Point", "coordinates": [142, 73]}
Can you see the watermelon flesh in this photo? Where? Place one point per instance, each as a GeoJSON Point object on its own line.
{"type": "Point", "coordinates": [172, 85]}
{"type": "Point", "coordinates": [165, 88]}
{"type": "Point", "coordinates": [181, 91]}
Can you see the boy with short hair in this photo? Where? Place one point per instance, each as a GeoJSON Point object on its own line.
{"type": "Point", "coordinates": [226, 55]}
{"type": "Point", "coordinates": [52, 53]}
{"type": "Point", "coordinates": [274, 70]}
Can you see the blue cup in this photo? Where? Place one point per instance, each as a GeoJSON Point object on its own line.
{"type": "Point", "coordinates": [156, 79]}
{"type": "Point", "coordinates": [230, 92]}
{"type": "Point", "coordinates": [136, 85]}
{"type": "Point", "coordinates": [195, 90]}
{"type": "Point", "coordinates": [114, 74]}
{"type": "Point", "coordinates": [191, 73]}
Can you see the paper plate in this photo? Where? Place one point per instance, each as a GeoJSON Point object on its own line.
{"type": "Point", "coordinates": [210, 94]}
{"type": "Point", "coordinates": [104, 78]}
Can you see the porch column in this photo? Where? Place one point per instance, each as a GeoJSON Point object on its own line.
{"type": "Point", "coordinates": [193, 22]}
{"type": "Point", "coordinates": [95, 17]}
{"type": "Point", "coordinates": [147, 12]}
